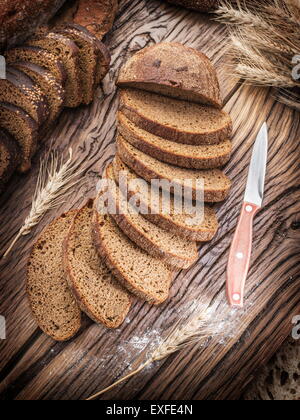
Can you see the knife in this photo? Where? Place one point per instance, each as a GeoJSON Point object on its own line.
{"type": "Point", "coordinates": [241, 248]}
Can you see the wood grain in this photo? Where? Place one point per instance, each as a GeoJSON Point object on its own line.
{"type": "Point", "coordinates": [34, 367]}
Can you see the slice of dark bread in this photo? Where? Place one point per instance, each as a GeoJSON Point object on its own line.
{"type": "Point", "coordinates": [174, 119]}
{"type": "Point", "coordinates": [97, 292]}
{"type": "Point", "coordinates": [178, 224]}
{"type": "Point", "coordinates": [160, 243]}
{"type": "Point", "coordinates": [9, 157]}
{"type": "Point", "coordinates": [173, 70]}
{"type": "Point", "coordinates": [143, 275]}
{"type": "Point", "coordinates": [87, 58]}
{"type": "Point", "coordinates": [67, 51]}
{"type": "Point", "coordinates": [20, 90]}
{"type": "Point", "coordinates": [41, 57]}
{"type": "Point", "coordinates": [50, 86]}
{"type": "Point", "coordinates": [184, 155]}
{"type": "Point", "coordinates": [52, 303]}
{"type": "Point", "coordinates": [24, 130]}
{"type": "Point", "coordinates": [104, 59]}
{"type": "Point", "coordinates": [216, 184]}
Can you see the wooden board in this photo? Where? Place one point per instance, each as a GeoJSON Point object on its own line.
{"type": "Point", "coordinates": [32, 366]}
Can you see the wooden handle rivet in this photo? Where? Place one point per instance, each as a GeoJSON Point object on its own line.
{"type": "Point", "coordinates": [240, 255]}
{"type": "Point", "coordinates": [236, 297]}
{"type": "Point", "coordinates": [249, 209]}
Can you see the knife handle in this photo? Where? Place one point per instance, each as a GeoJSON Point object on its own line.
{"type": "Point", "coordinates": [240, 255]}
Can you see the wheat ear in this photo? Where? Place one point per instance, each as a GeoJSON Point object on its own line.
{"type": "Point", "coordinates": [54, 180]}
{"type": "Point", "coordinates": [197, 329]}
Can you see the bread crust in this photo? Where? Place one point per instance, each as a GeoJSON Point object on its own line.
{"type": "Point", "coordinates": [77, 324]}
{"type": "Point", "coordinates": [97, 15]}
{"type": "Point", "coordinates": [184, 158]}
{"type": "Point", "coordinates": [101, 59]}
{"type": "Point", "coordinates": [167, 222]}
{"type": "Point", "coordinates": [40, 57]}
{"type": "Point", "coordinates": [80, 298]}
{"type": "Point", "coordinates": [144, 241]}
{"type": "Point", "coordinates": [179, 71]}
{"type": "Point", "coordinates": [11, 147]}
{"type": "Point", "coordinates": [26, 151]}
{"type": "Point", "coordinates": [172, 133]}
{"type": "Point", "coordinates": [70, 60]}
{"type": "Point", "coordinates": [37, 106]}
{"type": "Point", "coordinates": [38, 72]}
{"type": "Point", "coordinates": [105, 255]}
{"type": "Point", "coordinates": [215, 195]}
{"type": "Point", "coordinates": [20, 18]}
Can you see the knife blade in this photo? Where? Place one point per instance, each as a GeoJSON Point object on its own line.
{"type": "Point", "coordinates": [241, 248]}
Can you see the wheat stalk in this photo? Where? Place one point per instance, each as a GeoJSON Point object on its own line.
{"type": "Point", "coordinates": [54, 180]}
{"type": "Point", "coordinates": [193, 329]}
{"type": "Point", "coordinates": [265, 38]}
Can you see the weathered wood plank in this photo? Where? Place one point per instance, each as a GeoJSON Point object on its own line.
{"type": "Point", "coordinates": [33, 366]}
{"type": "Point", "coordinates": [90, 131]}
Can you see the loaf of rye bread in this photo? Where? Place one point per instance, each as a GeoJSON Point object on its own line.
{"type": "Point", "coordinates": [183, 155]}
{"type": "Point", "coordinates": [97, 292]}
{"type": "Point", "coordinates": [53, 305]}
{"type": "Point", "coordinates": [215, 188]}
{"type": "Point", "coordinates": [67, 51]}
{"type": "Point", "coordinates": [9, 157]}
{"type": "Point", "coordinates": [175, 120]}
{"type": "Point", "coordinates": [174, 70]}
{"type": "Point", "coordinates": [143, 275]}
{"type": "Point", "coordinates": [94, 58]}
{"type": "Point", "coordinates": [179, 224]}
{"type": "Point", "coordinates": [160, 243]}
{"type": "Point", "coordinates": [23, 129]}
{"type": "Point", "coordinates": [103, 57]}
{"type": "Point", "coordinates": [50, 86]}
{"type": "Point", "coordinates": [20, 18]}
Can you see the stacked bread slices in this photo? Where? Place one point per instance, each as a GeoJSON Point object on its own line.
{"type": "Point", "coordinates": [170, 128]}
{"type": "Point", "coordinates": [53, 70]}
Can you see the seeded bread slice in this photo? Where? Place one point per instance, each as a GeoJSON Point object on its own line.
{"type": "Point", "coordinates": [88, 59]}
{"type": "Point", "coordinates": [51, 88]}
{"type": "Point", "coordinates": [20, 90]}
{"type": "Point", "coordinates": [67, 51]}
{"type": "Point", "coordinates": [174, 119]}
{"type": "Point", "coordinates": [38, 56]}
{"type": "Point", "coordinates": [170, 248]}
{"type": "Point", "coordinates": [98, 293]}
{"type": "Point", "coordinates": [24, 130]}
{"type": "Point", "coordinates": [216, 184]}
{"type": "Point", "coordinates": [9, 157]}
{"type": "Point", "coordinates": [173, 70]}
{"type": "Point", "coordinates": [183, 155]}
{"type": "Point", "coordinates": [179, 224]}
{"type": "Point", "coordinates": [145, 276]}
{"type": "Point", "coordinates": [51, 300]}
